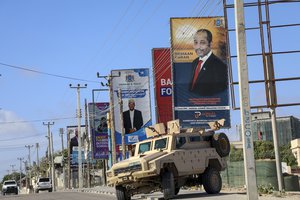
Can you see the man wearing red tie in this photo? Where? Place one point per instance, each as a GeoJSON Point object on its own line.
{"type": "Point", "coordinates": [210, 74]}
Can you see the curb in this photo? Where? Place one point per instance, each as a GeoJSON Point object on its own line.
{"type": "Point", "coordinates": [94, 191]}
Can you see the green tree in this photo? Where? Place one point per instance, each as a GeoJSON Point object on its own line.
{"type": "Point", "coordinates": [265, 150]}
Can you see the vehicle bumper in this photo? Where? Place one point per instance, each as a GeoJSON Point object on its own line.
{"type": "Point", "coordinates": [10, 190]}
{"type": "Point", "coordinates": [130, 177]}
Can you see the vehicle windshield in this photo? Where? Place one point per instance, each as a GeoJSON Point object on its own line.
{"type": "Point", "coordinates": [44, 180]}
{"type": "Point", "coordinates": [144, 147]}
{"type": "Point", "coordinates": [9, 182]}
{"type": "Point", "coordinates": [160, 144]}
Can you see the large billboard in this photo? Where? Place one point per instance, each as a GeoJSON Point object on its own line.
{"type": "Point", "coordinates": [136, 114]}
{"type": "Point", "coordinates": [98, 127]}
{"type": "Point", "coordinates": [161, 58]}
{"type": "Point", "coordinates": [199, 71]}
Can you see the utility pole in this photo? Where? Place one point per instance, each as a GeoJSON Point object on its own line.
{"type": "Point", "coordinates": [20, 159]}
{"type": "Point", "coordinates": [52, 162]}
{"type": "Point", "coordinates": [37, 159]}
{"type": "Point", "coordinates": [25, 165]}
{"type": "Point", "coordinates": [49, 145]}
{"type": "Point", "coordinates": [13, 170]}
{"type": "Point", "coordinates": [111, 115]}
{"type": "Point", "coordinates": [88, 143]}
{"type": "Point", "coordinates": [61, 133]}
{"type": "Point", "coordinates": [80, 178]}
{"type": "Point", "coordinates": [248, 147]}
{"type": "Point", "coordinates": [69, 160]}
{"type": "Point", "coordinates": [121, 124]}
{"type": "Point", "coordinates": [29, 160]}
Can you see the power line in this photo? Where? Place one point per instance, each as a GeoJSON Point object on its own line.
{"type": "Point", "coordinates": [37, 120]}
{"type": "Point", "coordinates": [46, 73]}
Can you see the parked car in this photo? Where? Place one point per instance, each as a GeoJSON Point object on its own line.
{"type": "Point", "coordinates": [10, 186]}
{"type": "Point", "coordinates": [43, 183]}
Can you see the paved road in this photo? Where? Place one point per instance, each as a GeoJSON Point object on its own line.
{"type": "Point", "coordinates": [59, 196]}
{"type": "Point", "coordinates": [109, 195]}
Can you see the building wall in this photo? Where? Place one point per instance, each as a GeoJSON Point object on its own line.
{"type": "Point", "coordinates": [288, 128]}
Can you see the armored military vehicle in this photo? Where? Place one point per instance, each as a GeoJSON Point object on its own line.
{"type": "Point", "coordinates": [169, 160]}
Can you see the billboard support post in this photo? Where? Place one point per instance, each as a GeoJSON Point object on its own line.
{"type": "Point", "coordinates": [88, 144]}
{"type": "Point", "coordinates": [112, 124]}
{"type": "Point", "coordinates": [249, 162]}
{"type": "Point", "coordinates": [122, 125]}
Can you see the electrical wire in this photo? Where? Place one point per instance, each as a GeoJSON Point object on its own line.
{"type": "Point", "coordinates": [46, 73]}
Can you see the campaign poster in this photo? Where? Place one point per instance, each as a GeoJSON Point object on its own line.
{"type": "Point", "coordinates": [98, 126]}
{"type": "Point", "coordinates": [136, 112]}
{"type": "Point", "coordinates": [73, 145]}
{"type": "Point", "coordinates": [163, 84]}
{"type": "Point", "coordinates": [199, 71]}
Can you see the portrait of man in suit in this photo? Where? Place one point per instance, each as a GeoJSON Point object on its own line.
{"type": "Point", "coordinates": [210, 74]}
{"type": "Point", "coordinates": [132, 118]}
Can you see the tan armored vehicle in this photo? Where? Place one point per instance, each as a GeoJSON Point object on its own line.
{"type": "Point", "coordinates": [165, 162]}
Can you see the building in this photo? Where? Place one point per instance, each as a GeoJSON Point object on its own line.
{"type": "Point", "coordinates": [288, 128]}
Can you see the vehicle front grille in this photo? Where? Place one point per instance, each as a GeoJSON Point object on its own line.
{"type": "Point", "coordinates": [133, 168]}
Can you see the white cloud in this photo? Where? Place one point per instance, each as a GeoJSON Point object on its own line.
{"type": "Point", "coordinates": [11, 126]}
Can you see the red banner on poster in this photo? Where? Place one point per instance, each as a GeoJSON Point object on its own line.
{"type": "Point", "coordinates": [163, 84]}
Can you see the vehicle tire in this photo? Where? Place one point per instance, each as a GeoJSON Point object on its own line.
{"type": "Point", "coordinates": [168, 185]}
{"type": "Point", "coordinates": [177, 189]}
{"type": "Point", "coordinates": [221, 143]}
{"type": "Point", "coordinates": [122, 193]}
{"type": "Point", "coordinates": [50, 190]}
{"type": "Point", "coordinates": [212, 181]}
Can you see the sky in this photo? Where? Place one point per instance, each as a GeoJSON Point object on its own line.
{"type": "Point", "coordinates": [47, 45]}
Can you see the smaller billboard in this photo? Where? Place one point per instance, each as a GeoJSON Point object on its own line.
{"type": "Point", "coordinates": [136, 112]}
{"type": "Point", "coordinates": [163, 84]}
{"type": "Point", "coordinates": [98, 127]}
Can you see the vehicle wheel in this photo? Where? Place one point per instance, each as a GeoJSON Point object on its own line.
{"type": "Point", "coordinates": [122, 193]}
{"type": "Point", "coordinates": [50, 190]}
{"type": "Point", "coordinates": [177, 189]}
{"type": "Point", "coordinates": [168, 185]}
{"type": "Point", "coordinates": [221, 142]}
{"type": "Point", "coordinates": [212, 181]}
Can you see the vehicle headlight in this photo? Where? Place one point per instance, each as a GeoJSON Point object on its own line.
{"type": "Point", "coordinates": [151, 165]}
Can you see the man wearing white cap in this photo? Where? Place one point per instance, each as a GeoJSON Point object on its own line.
{"type": "Point", "coordinates": [132, 118]}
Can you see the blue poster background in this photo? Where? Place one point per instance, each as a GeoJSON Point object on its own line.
{"type": "Point", "coordinates": [185, 108]}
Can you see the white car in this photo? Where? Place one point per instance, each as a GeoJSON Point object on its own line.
{"type": "Point", "coordinates": [43, 183]}
{"type": "Point", "coordinates": [10, 186]}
